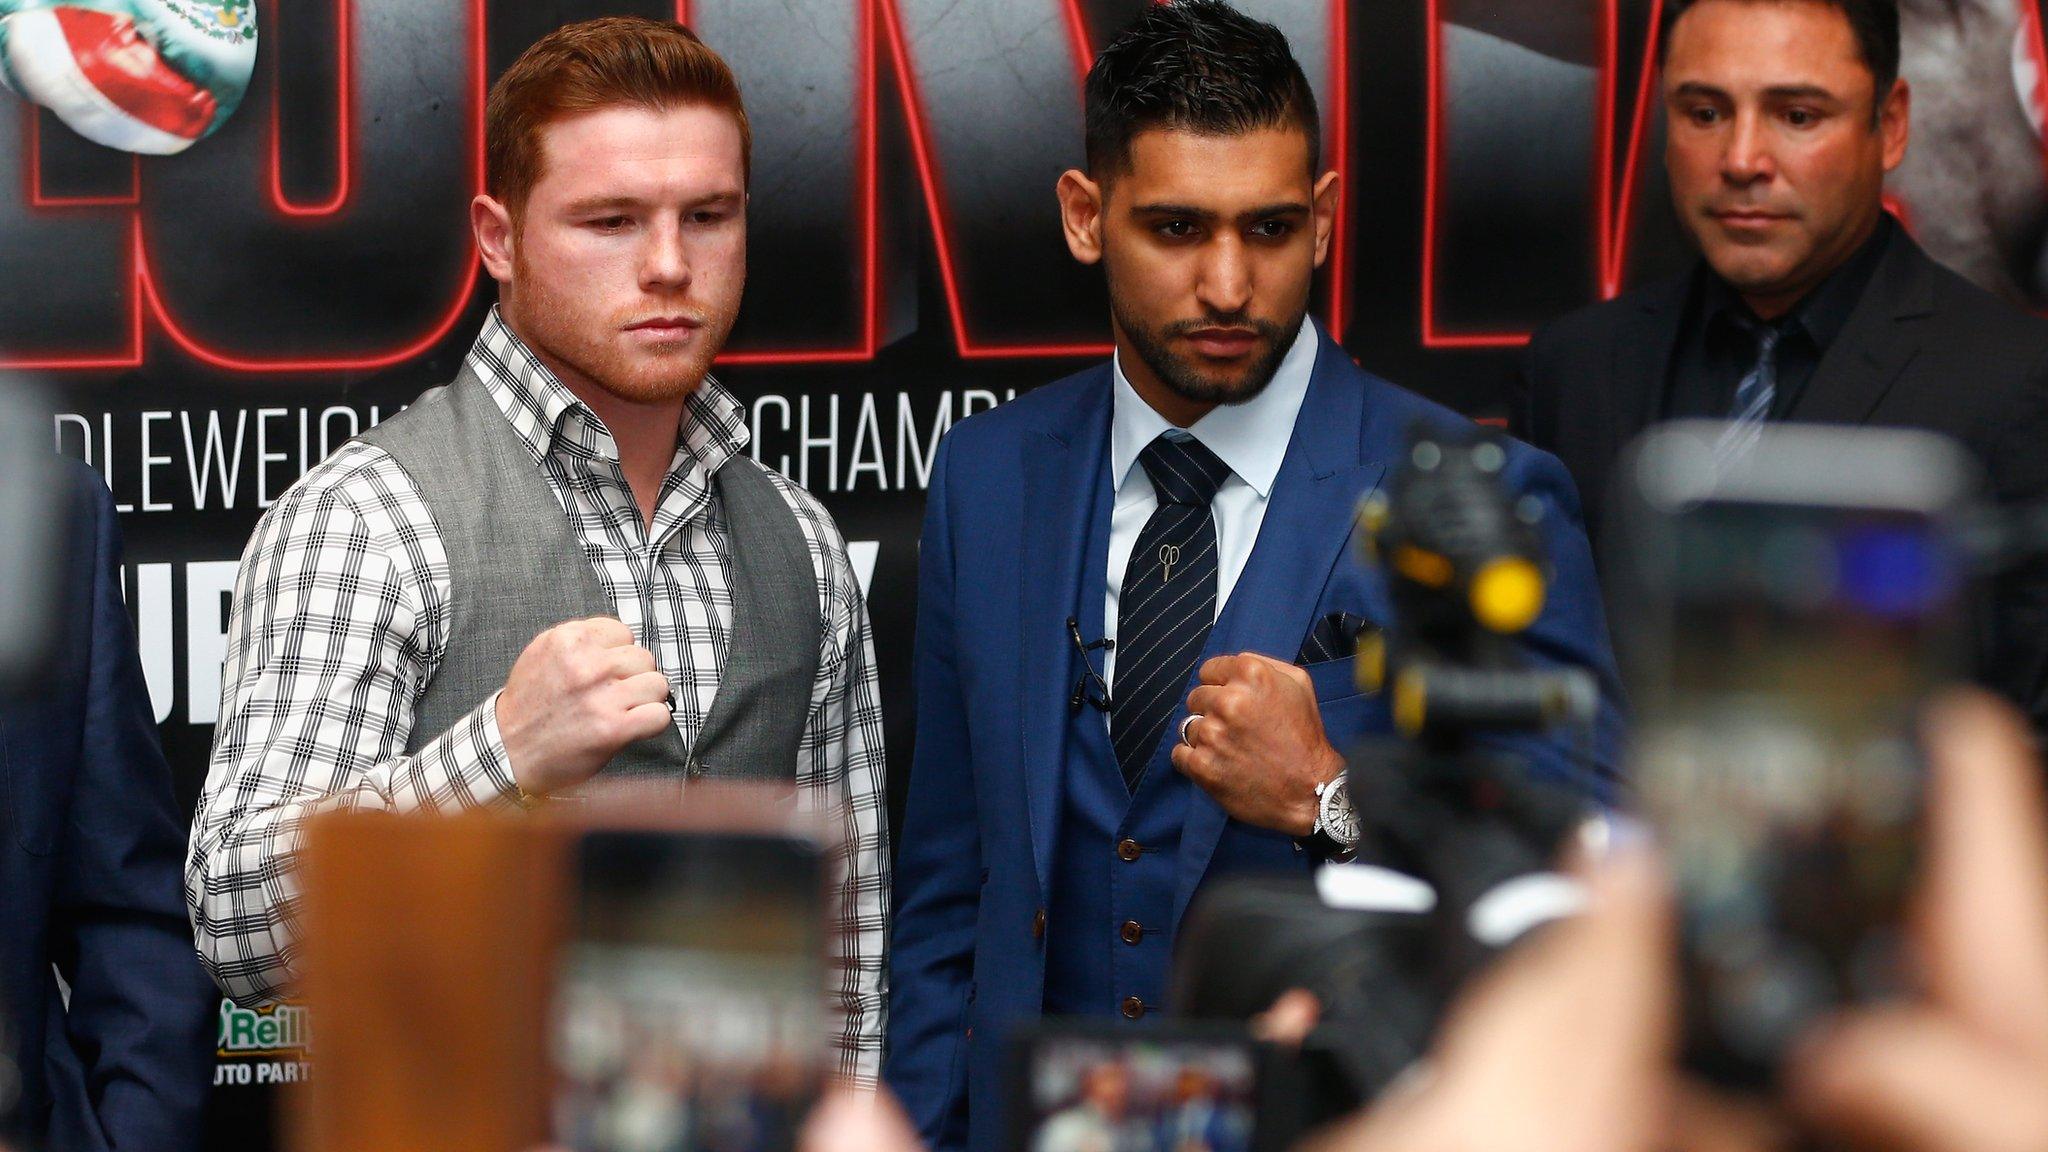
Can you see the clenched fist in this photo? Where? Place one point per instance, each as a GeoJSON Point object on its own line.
{"type": "Point", "coordinates": [1255, 742]}
{"type": "Point", "coordinates": [578, 694]}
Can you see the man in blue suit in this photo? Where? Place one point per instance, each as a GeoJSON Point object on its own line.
{"type": "Point", "coordinates": [1193, 503]}
{"type": "Point", "coordinates": [91, 846]}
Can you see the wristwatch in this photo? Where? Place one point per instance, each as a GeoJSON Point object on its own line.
{"type": "Point", "coordinates": [1335, 819]}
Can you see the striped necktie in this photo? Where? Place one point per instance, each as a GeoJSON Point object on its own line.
{"type": "Point", "coordinates": [1168, 600]}
{"type": "Point", "coordinates": [1754, 394]}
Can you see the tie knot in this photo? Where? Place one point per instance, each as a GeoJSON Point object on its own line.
{"type": "Point", "coordinates": [1766, 335]}
{"type": "Point", "coordinates": [1182, 470]}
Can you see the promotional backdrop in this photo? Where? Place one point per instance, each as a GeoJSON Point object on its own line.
{"type": "Point", "coordinates": [214, 322]}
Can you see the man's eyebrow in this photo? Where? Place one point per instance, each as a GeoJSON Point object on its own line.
{"type": "Point", "coordinates": [1775, 91]}
{"type": "Point", "coordinates": [1263, 212]}
{"type": "Point", "coordinates": [602, 204]}
{"type": "Point", "coordinates": [1695, 88]}
{"type": "Point", "coordinates": [1800, 92]}
{"type": "Point", "coordinates": [595, 204]}
{"type": "Point", "coordinates": [1268, 211]}
{"type": "Point", "coordinates": [1166, 209]}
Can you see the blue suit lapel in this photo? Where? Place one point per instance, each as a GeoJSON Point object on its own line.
{"type": "Point", "coordinates": [1329, 465]}
{"type": "Point", "coordinates": [1062, 468]}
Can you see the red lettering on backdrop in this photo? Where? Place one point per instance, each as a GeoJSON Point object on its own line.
{"type": "Point", "coordinates": [147, 283]}
{"type": "Point", "coordinates": [930, 168]}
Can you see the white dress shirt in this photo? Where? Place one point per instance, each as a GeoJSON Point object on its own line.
{"type": "Point", "coordinates": [1251, 438]}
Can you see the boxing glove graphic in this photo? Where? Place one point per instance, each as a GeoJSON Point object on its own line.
{"type": "Point", "coordinates": [148, 76]}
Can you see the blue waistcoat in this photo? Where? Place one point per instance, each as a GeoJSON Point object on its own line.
{"type": "Point", "coordinates": [1108, 921]}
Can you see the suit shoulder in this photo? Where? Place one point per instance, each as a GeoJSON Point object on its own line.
{"type": "Point", "coordinates": [1971, 314]}
{"type": "Point", "coordinates": [1383, 397]}
{"type": "Point", "coordinates": [1594, 324]}
{"type": "Point", "coordinates": [2000, 350]}
{"type": "Point", "coordinates": [74, 481]}
{"type": "Point", "coordinates": [1406, 408]}
{"type": "Point", "coordinates": [1030, 411]}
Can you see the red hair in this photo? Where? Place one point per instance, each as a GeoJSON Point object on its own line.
{"type": "Point", "coordinates": [595, 64]}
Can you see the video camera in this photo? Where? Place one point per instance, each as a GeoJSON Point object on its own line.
{"type": "Point", "coordinates": [1789, 608]}
{"type": "Point", "coordinates": [1459, 836]}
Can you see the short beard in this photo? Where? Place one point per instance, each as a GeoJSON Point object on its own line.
{"type": "Point", "coordinates": [588, 354]}
{"type": "Point", "coordinates": [1182, 378]}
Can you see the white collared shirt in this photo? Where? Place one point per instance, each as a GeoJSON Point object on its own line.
{"type": "Point", "coordinates": [1251, 438]}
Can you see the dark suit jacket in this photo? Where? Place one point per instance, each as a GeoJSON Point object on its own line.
{"type": "Point", "coordinates": [1000, 569]}
{"type": "Point", "coordinates": [91, 850]}
{"type": "Point", "coordinates": [1923, 348]}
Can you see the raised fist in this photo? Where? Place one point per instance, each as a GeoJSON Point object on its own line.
{"type": "Point", "coordinates": [148, 76]}
{"type": "Point", "coordinates": [578, 694]}
{"type": "Point", "coordinates": [1254, 741]}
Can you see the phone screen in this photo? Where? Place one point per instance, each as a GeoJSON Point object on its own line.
{"type": "Point", "coordinates": [1093, 1092]}
{"type": "Point", "coordinates": [1776, 752]}
{"type": "Point", "coordinates": [689, 1010]}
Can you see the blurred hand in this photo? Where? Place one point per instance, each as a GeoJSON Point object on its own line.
{"type": "Point", "coordinates": [1568, 1046]}
{"type": "Point", "coordinates": [851, 1120]}
{"type": "Point", "coordinates": [1289, 1021]}
{"type": "Point", "coordinates": [1256, 742]}
{"type": "Point", "coordinates": [577, 695]}
{"type": "Point", "coordinates": [1565, 1047]}
{"type": "Point", "coordinates": [1967, 1066]}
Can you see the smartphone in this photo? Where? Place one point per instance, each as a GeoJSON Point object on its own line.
{"type": "Point", "coordinates": [690, 998]}
{"type": "Point", "coordinates": [1087, 1086]}
{"type": "Point", "coordinates": [1785, 608]}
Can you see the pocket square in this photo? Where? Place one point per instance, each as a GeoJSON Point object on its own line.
{"type": "Point", "coordinates": [1335, 637]}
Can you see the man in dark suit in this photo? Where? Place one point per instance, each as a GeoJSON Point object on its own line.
{"type": "Point", "coordinates": [1193, 500]}
{"type": "Point", "coordinates": [1810, 302]}
{"type": "Point", "coordinates": [90, 889]}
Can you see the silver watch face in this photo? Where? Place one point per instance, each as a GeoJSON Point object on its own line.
{"type": "Point", "coordinates": [1339, 821]}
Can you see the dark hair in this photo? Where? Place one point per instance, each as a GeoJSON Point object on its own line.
{"type": "Point", "coordinates": [1875, 23]}
{"type": "Point", "coordinates": [1197, 66]}
{"type": "Point", "coordinates": [594, 64]}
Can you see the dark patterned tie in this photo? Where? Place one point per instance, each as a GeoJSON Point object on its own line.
{"type": "Point", "coordinates": [1168, 601]}
{"type": "Point", "coordinates": [1754, 394]}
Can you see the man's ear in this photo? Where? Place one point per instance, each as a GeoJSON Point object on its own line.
{"type": "Point", "coordinates": [1895, 122]}
{"type": "Point", "coordinates": [1081, 215]}
{"type": "Point", "coordinates": [492, 223]}
{"type": "Point", "coordinates": [1325, 207]}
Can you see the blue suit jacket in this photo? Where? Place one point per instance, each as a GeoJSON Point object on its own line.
{"type": "Point", "coordinates": [91, 850]}
{"type": "Point", "coordinates": [999, 569]}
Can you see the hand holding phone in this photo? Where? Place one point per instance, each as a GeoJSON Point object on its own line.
{"type": "Point", "coordinates": [1786, 614]}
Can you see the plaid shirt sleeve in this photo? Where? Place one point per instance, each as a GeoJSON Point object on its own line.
{"type": "Point", "coordinates": [841, 770]}
{"type": "Point", "coordinates": [338, 619]}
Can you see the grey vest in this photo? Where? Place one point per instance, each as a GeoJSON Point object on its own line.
{"type": "Point", "coordinates": [517, 568]}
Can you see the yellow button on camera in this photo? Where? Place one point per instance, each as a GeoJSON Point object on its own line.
{"type": "Point", "coordinates": [1507, 595]}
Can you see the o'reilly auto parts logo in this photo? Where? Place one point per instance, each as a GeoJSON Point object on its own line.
{"type": "Point", "coordinates": [262, 1045]}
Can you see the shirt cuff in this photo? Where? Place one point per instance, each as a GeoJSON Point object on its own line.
{"type": "Point", "coordinates": [465, 767]}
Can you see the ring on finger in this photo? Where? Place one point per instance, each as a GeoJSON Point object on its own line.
{"type": "Point", "coordinates": [1185, 738]}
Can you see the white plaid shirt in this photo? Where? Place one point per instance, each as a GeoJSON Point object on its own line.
{"type": "Point", "coordinates": [340, 618]}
